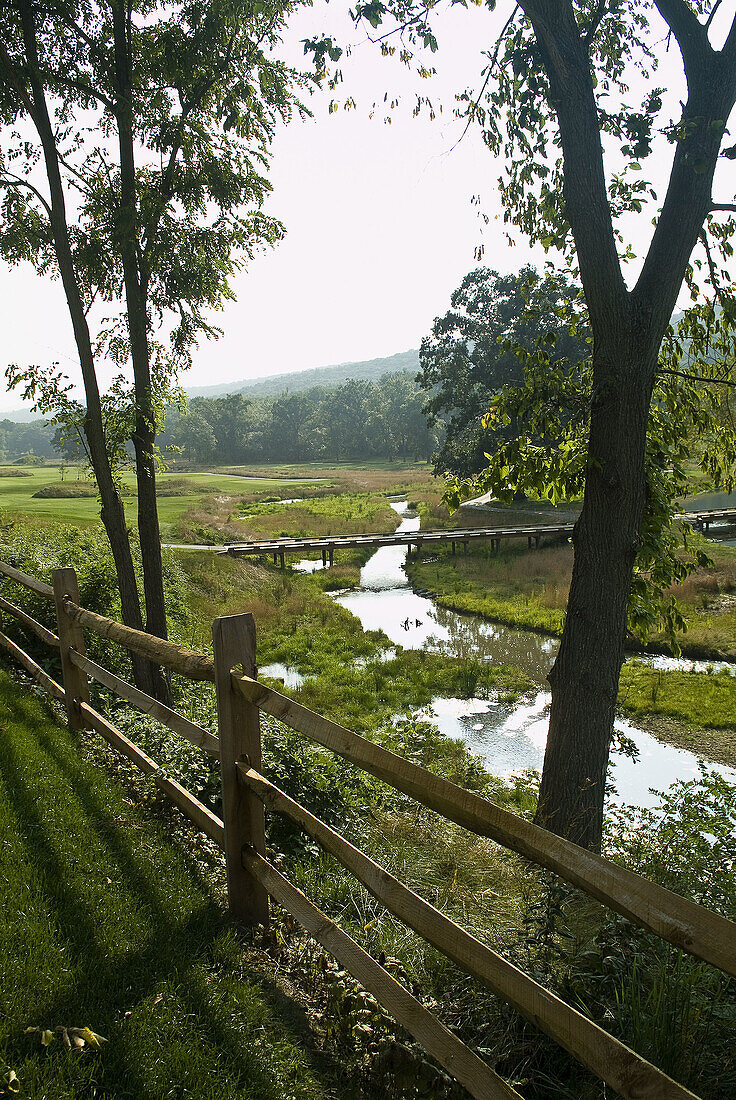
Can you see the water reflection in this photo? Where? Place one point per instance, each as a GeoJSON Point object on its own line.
{"type": "Point", "coordinates": [724, 533]}
{"type": "Point", "coordinates": [385, 602]}
{"type": "Point", "coordinates": [509, 737]}
{"type": "Point", "coordinates": [291, 677]}
{"type": "Point", "coordinates": [709, 502]}
{"type": "Point", "coordinates": [307, 565]}
{"type": "Point", "coordinates": [684, 664]}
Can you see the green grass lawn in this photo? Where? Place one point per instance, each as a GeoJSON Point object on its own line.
{"type": "Point", "coordinates": [17, 493]}
{"type": "Point", "coordinates": [106, 924]}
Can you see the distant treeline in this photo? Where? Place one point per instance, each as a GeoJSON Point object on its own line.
{"type": "Point", "coordinates": [355, 420]}
{"type": "Point", "coordinates": [34, 439]}
{"type": "Point", "coordinates": [358, 419]}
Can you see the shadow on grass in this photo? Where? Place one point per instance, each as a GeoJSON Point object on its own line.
{"type": "Point", "coordinates": [141, 953]}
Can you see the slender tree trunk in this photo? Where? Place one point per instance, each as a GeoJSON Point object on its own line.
{"type": "Point", "coordinates": [585, 675]}
{"type": "Point", "coordinates": [112, 511]}
{"type": "Point", "coordinates": [137, 314]}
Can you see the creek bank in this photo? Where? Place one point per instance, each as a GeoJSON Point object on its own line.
{"type": "Point", "coordinates": [692, 726]}
{"type": "Point", "coordinates": [510, 735]}
{"type": "Point", "coordinates": [528, 612]}
{"type": "Point", "coordinates": [709, 742]}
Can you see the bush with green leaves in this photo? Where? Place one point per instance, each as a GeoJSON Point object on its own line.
{"type": "Point", "coordinates": [37, 551]}
{"type": "Point", "coordinates": [674, 1010]}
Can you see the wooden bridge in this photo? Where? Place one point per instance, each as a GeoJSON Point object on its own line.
{"type": "Point", "coordinates": [701, 521]}
{"type": "Point", "coordinates": [278, 548]}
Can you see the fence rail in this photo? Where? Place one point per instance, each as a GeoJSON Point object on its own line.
{"type": "Point", "coordinates": [252, 879]}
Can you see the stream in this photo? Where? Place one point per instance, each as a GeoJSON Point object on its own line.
{"type": "Point", "coordinates": [509, 737]}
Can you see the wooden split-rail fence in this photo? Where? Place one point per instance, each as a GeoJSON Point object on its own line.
{"type": "Point", "coordinates": [252, 877]}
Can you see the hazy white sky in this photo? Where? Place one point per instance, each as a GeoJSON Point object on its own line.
{"type": "Point", "coordinates": [380, 225]}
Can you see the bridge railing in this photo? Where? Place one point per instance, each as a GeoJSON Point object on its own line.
{"type": "Point", "coordinates": [252, 878]}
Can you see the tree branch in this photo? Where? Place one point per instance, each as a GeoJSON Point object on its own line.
{"type": "Point", "coordinates": [600, 11]}
{"type": "Point", "coordinates": [711, 82]}
{"type": "Point", "coordinates": [587, 209]}
{"type": "Point", "coordinates": [717, 288]}
{"type": "Point", "coordinates": [421, 14]}
{"type": "Point", "coordinates": [81, 86]}
{"type": "Point", "coordinates": [188, 106]}
{"type": "Point", "coordinates": [697, 377]}
{"type": "Point", "coordinates": [724, 206]}
{"type": "Point", "coordinates": [729, 46]}
{"type": "Point", "coordinates": [689, 32]}
{"type": "Point", "coordinates": [83, 186]}
{"type": "Point", "coordinates": [713, 11]}
{"type": "Point", "coordinates": [12, 75]}
{"type": "Point", "coordinates": [12, 180]}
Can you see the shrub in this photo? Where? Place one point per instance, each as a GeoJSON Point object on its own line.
{"type": "Point", "coordinates": [66, 490]}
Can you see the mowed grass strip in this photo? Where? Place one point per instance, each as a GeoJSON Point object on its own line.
{"type": "Point", "coordinates": [177, 492]}
{"type": "Point", "coordinates": [105, 924]}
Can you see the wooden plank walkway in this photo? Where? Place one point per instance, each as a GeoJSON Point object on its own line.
{"type": "Point", "coordinates": [702, 520]}
{"type": "Point", "coordinates": [329, 544]}
{"type": "Point", "coordinates": [278, 548]}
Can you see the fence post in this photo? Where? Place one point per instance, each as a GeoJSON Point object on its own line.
{"type": "Point", "coordinates": [234, 643]}
{"type": "Point", "coordinates": [71, 636]}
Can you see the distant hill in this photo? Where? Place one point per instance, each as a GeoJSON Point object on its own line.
{"type": "Point", "coordinates": [20, 416]}
{"type": "Point", "coordinates": [296, 381]}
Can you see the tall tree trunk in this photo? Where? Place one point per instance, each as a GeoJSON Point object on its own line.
{"type": "Point", "coordinates": [627, 330]}
{"type": "Point", "coordinates": [112, 511]}
{"type": "Point", "coordinates": [585, 675]}
{"type": "Point", "coordinates": [137, 314]}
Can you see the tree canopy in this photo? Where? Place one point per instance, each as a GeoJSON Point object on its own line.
{"type": "Point", "coordinates": [474, 351]}
{"type": "Point", "coordinates": [353, 421]}
{"type": "Point", "coordinates": [132, 165]}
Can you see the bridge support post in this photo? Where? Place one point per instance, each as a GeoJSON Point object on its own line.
{"type": "Point", "coordinates": [239, 728]}
{"type": "Point", "coordinates": [453, 548]}
{"type": "Point", "coordinates": [324, 557]}
{"type": "Point", "coordinates": [332, 556]}
{"type": "Point", "coordinates": [281, 558]}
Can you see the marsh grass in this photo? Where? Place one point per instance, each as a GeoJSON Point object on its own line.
{"type": "Point", "coordinates": [379, 477]}
{"type": "Point", "coordinates": [524, 588]}
{"type": "Point", "coordinates": [702, 704]}
{"type": "Point", "coordinates": [529, 588]}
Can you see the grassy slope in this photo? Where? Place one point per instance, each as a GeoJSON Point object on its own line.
{"type": "Point", "coordinates": [105, 924]}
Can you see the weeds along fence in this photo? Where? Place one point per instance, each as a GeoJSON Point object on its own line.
{"type": "Point", "coordinates": [252, 879]}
